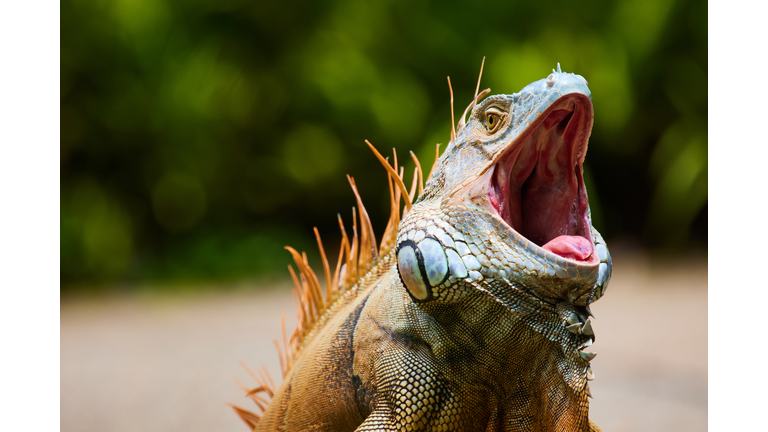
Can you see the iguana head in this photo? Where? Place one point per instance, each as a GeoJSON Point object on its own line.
{"type": "Point", "coordinates": [507, 200]}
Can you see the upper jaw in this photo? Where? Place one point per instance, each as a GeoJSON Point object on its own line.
{"type": "Point", "coordinates": [535, 184]}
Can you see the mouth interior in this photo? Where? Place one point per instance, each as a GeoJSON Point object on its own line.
{"type": "Point", "coordinates": [537, 185]}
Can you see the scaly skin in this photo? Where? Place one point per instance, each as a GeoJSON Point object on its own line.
{"type": "Point", "coordinates": [467, 324]}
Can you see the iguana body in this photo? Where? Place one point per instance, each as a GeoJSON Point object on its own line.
{"type": "Point", "coordinates": [473, 314]}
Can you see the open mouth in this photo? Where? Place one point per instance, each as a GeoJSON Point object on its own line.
{"type": "Point", "coordinates": [537, 185]}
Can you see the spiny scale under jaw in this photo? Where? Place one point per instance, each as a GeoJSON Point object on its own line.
{"type": "Point", "coordinates": [356, 257]}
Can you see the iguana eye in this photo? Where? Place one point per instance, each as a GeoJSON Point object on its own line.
{"type": "Point", "coordinates": [493, 120]}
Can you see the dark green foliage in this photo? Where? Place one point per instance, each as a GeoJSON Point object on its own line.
{"type": "Point", "coordinates": [191, 131]}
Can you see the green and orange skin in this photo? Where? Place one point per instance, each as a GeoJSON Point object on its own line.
{"type": "Point", "coordinates": [478, 317]}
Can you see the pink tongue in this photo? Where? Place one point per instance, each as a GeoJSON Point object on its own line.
{"type": "Point", "coordinates": [576, 248]}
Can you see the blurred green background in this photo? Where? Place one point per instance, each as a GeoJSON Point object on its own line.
{"type": "Point", "coordinates": [199, 137]}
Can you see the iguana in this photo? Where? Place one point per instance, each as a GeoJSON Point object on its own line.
{"type": "Point", "coordinates": [473, 312]}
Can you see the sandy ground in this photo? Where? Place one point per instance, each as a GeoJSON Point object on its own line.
{"type": "Point", "coordinates": [168, 363]}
